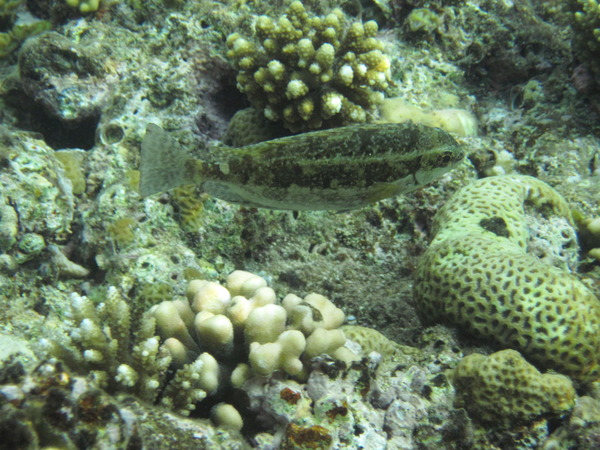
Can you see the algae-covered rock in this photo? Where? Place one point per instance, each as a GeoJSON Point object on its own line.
{"type": "Point", "coordinates": [66, 78]}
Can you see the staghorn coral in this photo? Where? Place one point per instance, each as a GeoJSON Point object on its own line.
{"type": "Point", "coordinates": [101, 345]}
{"type": "Point", "coordinates": [489, 272]}
{"type": "Point", "coordinates": [311, 72]}
{"type": "Point", "coordinates": [504, 388]}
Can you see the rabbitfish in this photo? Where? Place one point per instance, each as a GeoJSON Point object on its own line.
{"type": "Point", "coordinates": [336, 169]}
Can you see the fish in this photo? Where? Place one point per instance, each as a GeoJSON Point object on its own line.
{"type": "Point", "coordinates": [334, 169]}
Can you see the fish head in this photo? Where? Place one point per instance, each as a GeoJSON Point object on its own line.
{"type": "Point", "coordinates": [438, 160]}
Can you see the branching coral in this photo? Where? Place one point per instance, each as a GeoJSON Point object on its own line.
{"type": "Point", "coordinates": [311, 72]}
{"type": "Point", "coordinates": [100, 343]}
{"type": "Point", "coordinates": [587, 34]}
{"type": "Point", "coordinates": [218, 340]}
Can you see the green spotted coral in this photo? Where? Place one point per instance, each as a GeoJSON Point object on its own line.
{"type": "Point", "coordinates": [503, 387]}
{"type": "Point", "coordinates": [481, 273]}
{"type": "Point", "coordinates": [310, 72]}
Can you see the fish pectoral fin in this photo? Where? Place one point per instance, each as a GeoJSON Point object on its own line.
{"type": "Point", "coordinates": [162, 162]}
{"type": "Point", "coordinates": [382, 191]}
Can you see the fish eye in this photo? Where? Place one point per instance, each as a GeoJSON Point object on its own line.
{"type": "Point", "coordinates": [446, 157]}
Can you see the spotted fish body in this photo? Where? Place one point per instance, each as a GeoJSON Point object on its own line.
{"type": "Point", "coordinates": [336, 169]}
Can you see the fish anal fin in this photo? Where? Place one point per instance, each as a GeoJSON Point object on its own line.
{"type": "Point", "coordinates": [383, 191]}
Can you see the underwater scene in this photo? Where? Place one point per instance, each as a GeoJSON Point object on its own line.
{"type": "Point", "coordinates": [338, 224]}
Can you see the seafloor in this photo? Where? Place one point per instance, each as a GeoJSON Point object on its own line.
{"type": "Point", "coordinates": [76, 95]}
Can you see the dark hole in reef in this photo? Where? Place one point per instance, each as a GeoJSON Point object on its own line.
{"type": "Point", "coordinates": [59, 136]}
{"type": "Point", "coordinates": [292, 280]}
{"type": "Point", "coordinates": [15, 433]}
{"type": "Point", "coordinates": [439, 344]}
{"type": "Point", "coordinates": [496, 225]}
{"type": "Point", "coordinates": [41, 307]}
{"type": "Point", "coordinates": [12, 372]}
{"type": "Point", "coordinates": [228, 99]}
{"type": "Point", "coordinates": [32, 117]}
{"type": "Point", "coordinates": [427, 391]}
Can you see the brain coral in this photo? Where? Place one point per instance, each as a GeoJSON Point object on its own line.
{"type": "Point", "coordinates": [479, 274]}
{"type": "Point", "coordinates": [310, 72]}
{"type": "Point", "coordinates": [503, 387]}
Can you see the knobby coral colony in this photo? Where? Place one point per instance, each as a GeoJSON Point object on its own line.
{"type": "Point", "coordinates": [586, 27]}
{"type": "Point", "coordinates": [217, 339]}
{"type": "Point", "coordinates": [311, 72]}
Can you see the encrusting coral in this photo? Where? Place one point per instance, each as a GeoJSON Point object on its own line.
{"type": "Point", "coordinates": [483, 382]}
{"type": "Point", "coordinates": [219, 339]}
{"type": "Point", "coordinates": [486, 272]}
{"type": "Point", "coordinates": [311, 72]}
{"type": "Point", "coordinates": [452, 120]}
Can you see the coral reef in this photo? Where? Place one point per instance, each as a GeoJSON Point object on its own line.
{"type": "Point", "coordinates": [503, 387]}
{"type": "Point", "coordinates": [517, 66]}
{"type": "Point", "coordinates": [587, 34]}
{"type": "Point", "coordinates": [238, 330]}
{"type": "Point", "coordinates": [581, 429]}
{"type": "Point", "coordinates": [15, 26]}
{"type": "Point", "coordinates": [46, 405]}
{"type": "Point", "coordinates": [72, 161]}
{"type": "Point", "coordinates": [257, 365]}
{"type": "Point", "coordinates": [249, 126]}
{"type": "Point", "coordinates": [312, 72]}
{"type": "Point", "coordinates": [99, 343]}
{"type": "Point", "coordinates": [488, 272]}
{"type": "Point", "coordinates": [189, 201]}
{"type": "Point", "coordinates": [242, 326]}
{"type": "Point", "coordinates": [356, 408]}
{"type": "Point", "coordinates": [45, 77]}
{"type": "Point", "coordinates": [36, 208]}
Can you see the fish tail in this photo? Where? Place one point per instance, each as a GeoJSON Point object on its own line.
{"type": "Point", "coordinates": [162, 165]}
